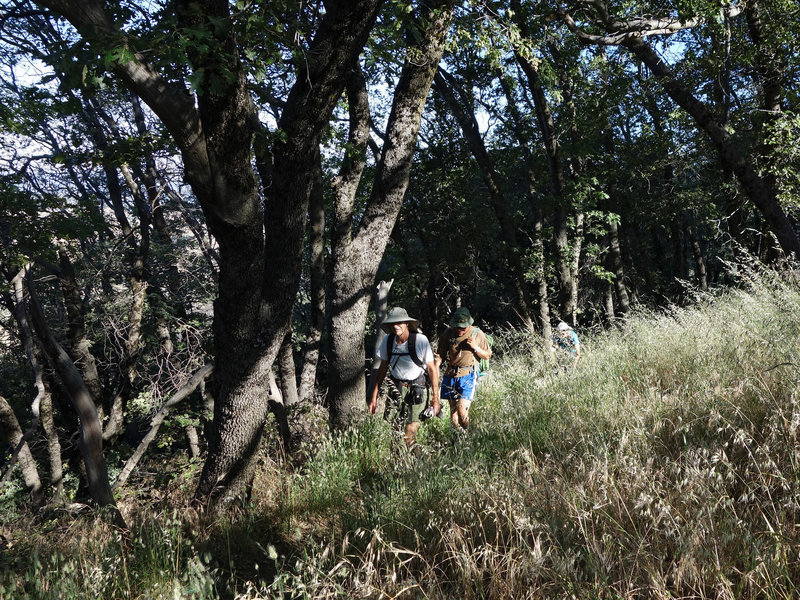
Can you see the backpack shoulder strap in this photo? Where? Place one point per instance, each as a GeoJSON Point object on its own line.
{"type": "Point", "coordinates": [412, 348]}
{"type": "Point", "coordinates": [389, 343]}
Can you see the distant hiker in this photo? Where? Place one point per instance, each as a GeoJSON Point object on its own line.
{"type": "Point", "coordinates": [462, 347]}
{"type": "Point", "coordinates": [406, 354]}
{"type": "Point", "coordinates": [566, 340]}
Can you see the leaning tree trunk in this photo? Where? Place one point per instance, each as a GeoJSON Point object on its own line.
{"type": "Point", "coordinates": [22, 453]}
{"type": "Point", "coordinates": [155, 423]}
{"type": "Point", "coordinates": [356, 259]}
{"type": "Point", "coordinates": [757, 189]}
{"type": "Point", "coordinates": [42, 405]}
{"type": "Point", "coordinates": [91, 438]}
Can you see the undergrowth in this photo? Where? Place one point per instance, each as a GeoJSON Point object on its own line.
{"type": "Point", "coordinates": [664, 466]}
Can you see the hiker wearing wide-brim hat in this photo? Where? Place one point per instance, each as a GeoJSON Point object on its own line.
{"type": "Point", "coordinates": [462, 347]}
{"type": "Point", "coordinates": [406, 354]}
{"type": "Point", "coordinates": [398, 315]}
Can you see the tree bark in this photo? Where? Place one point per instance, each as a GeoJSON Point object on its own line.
{"type": "Point", "coordinates": [53, 448]}
{"type": "Point", "coordinates": [288, 380]}
{"type": "Point", "coordinates": [313, 345]}
{"type": "Point", "coordinates": [699, 261]}
{"type": "Point", "coordinates": [91, 439]}
{"type": "Point", "coordinates": [259, 250]}
{"type": "Point", "coordinates": [615, 259]}
{"type": "Point", "coordinates": [356, 258]}
{"type": "Point", "coordinates": [42, 404]}
{"type": "Point", "coordinates": [22, 453]}
{"type": "Point", "coordinates": [768, 75]}
{"type": "Point", "coordinates": [381, 304]}
{"type": "Point", "coordinates": [574, 267]}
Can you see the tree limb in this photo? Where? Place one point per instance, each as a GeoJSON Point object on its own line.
{"type": "Point", "coordinates": [195, 380]}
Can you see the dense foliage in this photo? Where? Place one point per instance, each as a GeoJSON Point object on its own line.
{"type": "Point", "coordinates": [197, 201]}
{"type": "Point", "coordinates": [665, 466]}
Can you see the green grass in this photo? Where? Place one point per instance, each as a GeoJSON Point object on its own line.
{"type": "Point", "coordinates": [667, 465]}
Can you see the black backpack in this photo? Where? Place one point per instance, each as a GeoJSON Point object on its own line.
{"type": "Point", "coordinates": [412, 352]}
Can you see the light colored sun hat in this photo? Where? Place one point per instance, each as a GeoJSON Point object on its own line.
{"type": "Point", "coordinates": [398, 315]}
{"type": "Point", "coordinates": [563, 326]}
{"type": "Point", "coordinates": [461, 318]}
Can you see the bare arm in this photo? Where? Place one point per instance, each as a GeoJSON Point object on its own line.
{"type": "Point", "coordinates": [433, 375]}
{"type": "Point", "coordinates": [379, 377]}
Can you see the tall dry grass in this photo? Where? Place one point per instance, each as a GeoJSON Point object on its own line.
{"type": "Point", "coordinates": [664, 466]}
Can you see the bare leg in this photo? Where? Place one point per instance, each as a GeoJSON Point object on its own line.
{"type": "Point", "coordinates": [454, 418]}
{"type": "Point", "coordinates": [411, 434]}
{"type": "Point", "coordinates": [463, 413]}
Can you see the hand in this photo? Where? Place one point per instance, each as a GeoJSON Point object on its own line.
{"type": "Point", "coordinates": [373, 404]}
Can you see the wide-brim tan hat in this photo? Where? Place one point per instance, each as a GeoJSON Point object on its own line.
{"type": "Point", "coordinates": [398, 315]}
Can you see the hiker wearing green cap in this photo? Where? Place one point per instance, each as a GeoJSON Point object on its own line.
{"type": "Point", "coordinates": [462, 346]}
{"type": "Point", "coordinates": [406, 354]}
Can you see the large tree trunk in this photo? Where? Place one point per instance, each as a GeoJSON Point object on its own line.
{"type": "Point", "coordinates": [356, 259]}
{"type": "Point", "coordinates": [259, 250]}
{"type": "Point", "coordinates": [313, 345]}
{"type": "Point", "coordinates": [249, 331]}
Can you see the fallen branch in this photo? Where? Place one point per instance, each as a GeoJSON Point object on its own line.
{"type": "Point", "coordinates": [155, 423]}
